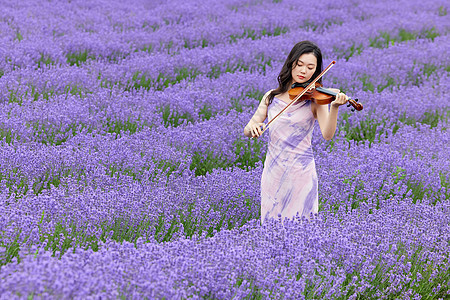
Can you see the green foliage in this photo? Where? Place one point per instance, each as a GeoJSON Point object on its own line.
{"type": "Point", "coordinates": [78, 57]}
{"type": "Point", "coordinates": [167, 46]}
{"type": "Point", "coordinates": [19, 36]}
{"type": "Point", "coordinates": [432, 118]}
{"type": "Point", "coordinates": [368, 129]}
{"type": "Point", "coordinates": [426, 282]}
{"type": "Point", "coordinates": [236, 103]}
{"type": "Point", "coordinates": [255, 94]}
{"type": "Point", "coordinates": [19, 184]}
{"type": "Point", "coordinates": [426, 276]}
{"type": "Point", "coordinates": [8, 135]}
{"type": "Point", "coordinates": [46, 93]}
{"type": "Point", "coordinates": [263, 63]}
{"type": "Point", "coordinates": [248, 154]}
{"type": "Point", "coordinates": [390, 82]}
{"type": "Point", "coordinates": [171, 117]}
{"type": "Point", "coordinates": [249, 33]}
{"type": "Point", "coordinates": [206, 112]}
{"type": "Point", "coordinates": [367, 85]}
{"type": "Point", "coordinates": [385, 39]}
{"type": "Point", "coordinates": [12, 250]}
{"type": "Point", "coordinates": [54, 134]}
{"type": "Point", "coordinates": [430, 33]}
{"type": "Point", "coordinates": [15, 181]}
{"type": "Point", "coordinates": [205, 162]}
{"type": "Point", "coordinates": [43, 60]}
{"type": "Point", "coordinates": [15, 97]}
{"type": "Point", "coordinates": [253, 292]}
{"type": "Point", "coordinates": [164, 236]}
{"type": "Point", "coordinates": [445, 185]}
{"type": "Point", "coordinates": [429, 69]}
{"type": "Point", "coordinates": [353, 50]}
{"type": "Point", "coordinates": [141, 80]}
{"type": "Point", "coordinates": [156, 166]}
{"type": "Point", "coordinates": [76, 90]}
{"type": "Point", "coordinates": [153, 27]}
{"type": "Point", "coordinates": [309, 25]}
{"type": "Point", "coordinates": [118, 126]}
{"type": "Point", "coordinates": [66, 235]}
{"type": "Point", "coordinates": [203, 43]}
{"type": "Point", "coordinates": [147, 48]}
{"type": "Point", "coordinates": [199, 224]}
{"type": "Point", "coordinates": [416, 190]}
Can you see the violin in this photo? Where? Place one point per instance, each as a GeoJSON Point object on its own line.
{"type": "Point", "coordinates": [319, 94]}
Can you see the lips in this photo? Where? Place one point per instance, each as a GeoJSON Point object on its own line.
{"type": "Point", "coordinates": [301, 77]}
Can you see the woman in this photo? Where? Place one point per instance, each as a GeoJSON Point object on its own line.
{"type": "Point", "coordinates": [289, 179]}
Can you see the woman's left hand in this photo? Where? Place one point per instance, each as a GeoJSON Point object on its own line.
{"type": "Point", "coordinates": [340, 99]}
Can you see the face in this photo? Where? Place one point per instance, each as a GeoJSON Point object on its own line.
{"type": "Point", "coordinates": [305, 68]}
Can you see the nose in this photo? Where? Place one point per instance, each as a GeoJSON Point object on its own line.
{"type": "Point", "coordinates": [303, 70]}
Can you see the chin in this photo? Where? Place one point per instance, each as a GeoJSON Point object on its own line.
{"type": "Point", "coordinates": [301, 80]}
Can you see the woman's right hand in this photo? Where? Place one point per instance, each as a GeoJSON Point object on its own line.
{"type": "Point", "coordinates": [255, 126]}
{"type": "Point", "coordinates": [256, 129]}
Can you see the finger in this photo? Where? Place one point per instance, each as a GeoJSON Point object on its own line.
{"type": "Point", "coordinates": [261, 127]}
{"type": "Point", "coordinates": [256, 131]}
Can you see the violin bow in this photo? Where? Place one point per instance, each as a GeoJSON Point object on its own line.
{"type": "Point", "coordinates": [313, 83]}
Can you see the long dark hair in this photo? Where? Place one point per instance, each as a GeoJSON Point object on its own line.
{"type": "Point", "coordinates": [285, 77]}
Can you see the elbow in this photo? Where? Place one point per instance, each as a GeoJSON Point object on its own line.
{"type": "Point", "coordinates": [328, 136]}
{"type": "Point", "coordinates": [247, 134]}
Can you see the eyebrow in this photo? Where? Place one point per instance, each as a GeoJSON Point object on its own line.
{"type": "Point", "coordinates": [311, 64]}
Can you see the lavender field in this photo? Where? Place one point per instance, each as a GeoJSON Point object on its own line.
{"type": "Point", "coordinates": [125, 174]}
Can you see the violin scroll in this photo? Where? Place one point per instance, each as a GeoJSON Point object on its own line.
{"type": "Point", "coordinates": [355, 104]}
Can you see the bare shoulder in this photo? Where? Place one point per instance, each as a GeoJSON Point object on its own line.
{"type": "Point", "coordinates": [266, 95]}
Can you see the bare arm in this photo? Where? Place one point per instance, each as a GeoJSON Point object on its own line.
{"type": "Point", "coordinates": [327, 118]}
{"type": "Point", "coordinates": [253, 128]}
